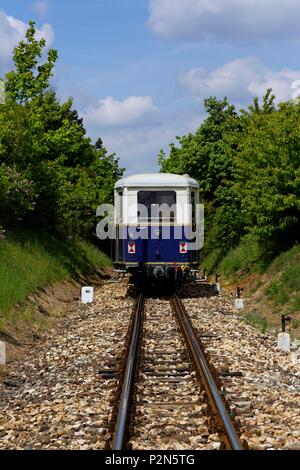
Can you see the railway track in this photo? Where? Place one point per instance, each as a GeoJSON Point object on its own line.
{"type": "Point", "coordinates": [168, 397]}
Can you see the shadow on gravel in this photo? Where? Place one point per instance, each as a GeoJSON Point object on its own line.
{"type": "Point", "coordinates": [194, 290]}
{"type": "Point", "coordinates": [4, 336]}
{"type": "Point", "coordinates": [190, 290]}
{"type": "Point", "coordinates": [132, 291]}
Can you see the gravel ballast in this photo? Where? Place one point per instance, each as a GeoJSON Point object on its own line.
{"type": "Point", "coordinates": [61, 395]}
{"type": "Point", "coordinates": [266, 399]}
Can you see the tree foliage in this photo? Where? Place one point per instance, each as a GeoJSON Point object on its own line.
{"type": "Point", "coordinates": [248, 168]}
{"type": "Point", "coordinates": [30, 78]}
{"type": "Point", "coordinates": [208, 154]}
{"type": "Point", "coordinates": [267, 172]}
{"type": "Point", "coordinates": [51, 175]}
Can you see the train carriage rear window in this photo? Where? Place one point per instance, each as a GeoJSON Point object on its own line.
{"type": "Point", "coordinates": [153, 200]}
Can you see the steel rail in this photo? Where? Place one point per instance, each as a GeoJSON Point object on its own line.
{"type": "Point", "coordinates": [122, 424]}
{"type": "Point", "coordinates": [232, 440]}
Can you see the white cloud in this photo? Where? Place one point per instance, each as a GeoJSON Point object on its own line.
{"type": "Point", "coordinates": [130, 128]}
{"type": "Point", "coordinates": [134, 110]}
{"type": "Point", "coordinates": [228, 21]}
{"type": "Point", "coordinates": [41, 8]}
{"type": "Point", "coordinates": [240, 80]}
{"type": "Point", "coordinates": [136, 130]}
{"type": "Point", "coordinates": [138, 147]}
{"type": "Point", "coordinates": [281, 83]}
{"type": "Point", "coordinates": [13, 30]}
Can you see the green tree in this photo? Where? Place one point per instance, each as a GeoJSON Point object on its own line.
{"type": "Point", "coordinates": [17, 194]}
{"type": "Point", "coordinates": [30, 78]}
{"type": "Point", "coordinates": [60, 176]}
{"type": "Point", "coordinates": [248, 167]}
{"type": "Point", "coordinates": [208, 154]}
{"type": "Point", "coordinates": [267, 173]}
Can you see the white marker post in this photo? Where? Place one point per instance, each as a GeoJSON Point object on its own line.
{"type": "Point", "coordinates": [239, 304]}
{"type": "Point", "coordinates": [284, 339]}
{"type": "Point", "coordinates": [217, 288]}
{"type": "Point", "coordinates": [87, 295]}
{"type": "Point", "coordinates": [217, 285]}
{"type": "Point", "coordinates": [2, 353]}
{"type": "Point", "coordinates": [284, 342]}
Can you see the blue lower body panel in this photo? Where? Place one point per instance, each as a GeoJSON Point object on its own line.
{"type": "Point", "coordinates": [165, 247]}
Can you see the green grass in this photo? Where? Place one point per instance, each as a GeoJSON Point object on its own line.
{"type": "Point", "coordinates": [256, 320]}
{"type": "Point", "coordinates": [287, 285]}
{"type": "Point", "coordinates": [30, 261]}
{"type": "Point", "coordinates": [283, 271]}
{"type": "Point", "coordinates": [289, 257]}
{"type": "Point", "coordinates": [296, 302]}
{"type": "Point", "coordinates": [277, 275]}
{"type": "Point", "coordinates": [211, 261]}
{"type": "Point", "coordinates": [246, 257]}
{"type": "Point", "coordinates": [258, 284]}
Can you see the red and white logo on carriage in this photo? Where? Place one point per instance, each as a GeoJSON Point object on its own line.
{"type": "Point", "coordinates": [131, 248]}
{"type": "Point", "coordinates": [183, 248]}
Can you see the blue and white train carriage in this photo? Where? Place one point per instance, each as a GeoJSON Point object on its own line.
{"type": "Point", "coordinates": [156, 223]}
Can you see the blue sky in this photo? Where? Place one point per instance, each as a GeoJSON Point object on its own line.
{"type": "Point", "coordinates": [139, 70]}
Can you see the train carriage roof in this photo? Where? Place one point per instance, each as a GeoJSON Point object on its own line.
{"type": "Point", "coordinates": [154, 180]}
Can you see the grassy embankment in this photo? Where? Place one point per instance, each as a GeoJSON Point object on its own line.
{"type": "Point", "coordinates": [30, 261]}
{"type": "Point", "coordinates": [271, 284]}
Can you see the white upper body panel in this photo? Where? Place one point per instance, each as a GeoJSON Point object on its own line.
{"type": "Point", "coordinates": [156, 180]}
{"type": "Point", "coordinates": [127, 189]}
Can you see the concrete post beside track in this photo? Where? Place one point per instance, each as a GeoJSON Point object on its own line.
{"type": "Point", "coordinates": [2, 353]}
